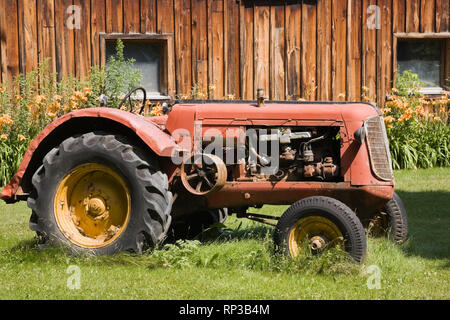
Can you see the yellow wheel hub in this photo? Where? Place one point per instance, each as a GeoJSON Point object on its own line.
{"type": "Point", "coordinates": [92, 205]}
{"type": "Point", "coordinates": [316, 232]}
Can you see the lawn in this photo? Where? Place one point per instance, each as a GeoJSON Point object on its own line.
{"type": "Point", "coordinates": [239, 264]}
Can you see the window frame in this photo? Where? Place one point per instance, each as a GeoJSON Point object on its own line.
{"type": "Point", "coordinates": [167, 79]}
{"type": "Point", "coordinates": [445, 56]}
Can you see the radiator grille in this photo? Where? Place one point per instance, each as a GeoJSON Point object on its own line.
{"type": "Point", "coordinates": [380, 159]}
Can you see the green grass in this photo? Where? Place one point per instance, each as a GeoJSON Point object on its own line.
{"type": "Point", "coordinates": [239, 265]}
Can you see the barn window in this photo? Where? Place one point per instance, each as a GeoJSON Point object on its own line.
{"type": "Point", "coordinates": [426, 58]}
{"type": "Point", "coordinates": [152, 56]}
{"type": "Point", "coordinates": [147, 56]}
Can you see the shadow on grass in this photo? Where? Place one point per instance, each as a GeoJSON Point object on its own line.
{"type": "Point", "coordinates": [25, 245]}
{"type": "Point", "coordinates": [250, 232]}
{"type": "Point", "coordinates": [29, 251]}
{"type": "Point", "coordinates": [429, 224]}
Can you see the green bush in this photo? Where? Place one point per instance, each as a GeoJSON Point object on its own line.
{"type": "Point", "coordinates": [121, 77]}
{"type": "Point", "coordinates": [417, 128]}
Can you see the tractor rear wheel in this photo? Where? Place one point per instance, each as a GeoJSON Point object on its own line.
{"type": "Point", "coordinates": [98, 194]}
{"type": "Point", "coordinates": [318, 223]}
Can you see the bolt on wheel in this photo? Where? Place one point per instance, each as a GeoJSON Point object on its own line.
{"type": "Point", "coordinates": [317, 232]}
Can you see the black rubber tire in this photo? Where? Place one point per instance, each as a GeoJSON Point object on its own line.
{"type": "Point", "coordinates": [151, 201]}
{"type": "Point", "coordinates": [191, 226]}
{"type": "Point", "coordinates": [337, 212]}
{"type": "Point", "coordinates": [397, 228]}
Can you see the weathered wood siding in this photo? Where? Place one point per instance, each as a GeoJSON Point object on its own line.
{"type": "Point", "coordinates": [317, 50]}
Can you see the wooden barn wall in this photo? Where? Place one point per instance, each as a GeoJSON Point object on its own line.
{"type": "Point", "coordinates": [317, 50]}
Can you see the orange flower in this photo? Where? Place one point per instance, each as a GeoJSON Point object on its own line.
{"type": "Point", "coordinates": [39, 99]}
{"type": "Point", "coordinates": [394, 90]}
{"type": "Point", "coordinates": [78, 96]}
{"type": "Point", "coordinates": [87, 91]}
{"type": "Point", "coordinates": [420, 110]}
{"type": "Point", "coordinates": [3, 137]}
{"type": "Point", "coordinates": [6, 119]}
{"type": "Point", "coordinates": [365, 89]}
{"type": "Point", "coordinates": [73, 104]}
{"type": "Point", "coordinates": [389, 119]}
{"type": "Point", "coordinates": [2, 89]}
{"type": "Point", "coordinates": [437, 119]}
{"type": "Point", "coordinates": [156, 110]}
{"type": "Point", "coordinates": [406, 116]}
{"type": "Point", "coordinates": [203, 95]}
{"type": "Point", "coordinates": [51, 115]}
{"type": "Point", "coordinates": [34, 109]}
{"type": "Point", "coordinates": [442, 109]}
{"type": "Point", "coordinates": [53, 108]}
{"type": "Point", "coordinates": [22, 137]}
{"type": "Point", "coordinates": [57, 97]}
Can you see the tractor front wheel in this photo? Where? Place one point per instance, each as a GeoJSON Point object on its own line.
{"type": "Point", "coordinates": [318, 223]}
{"type": "Point", "coordinates": [99, 194]}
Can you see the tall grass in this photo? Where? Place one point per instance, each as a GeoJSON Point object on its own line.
{"type": "Point", "coordinates": [189, 254]}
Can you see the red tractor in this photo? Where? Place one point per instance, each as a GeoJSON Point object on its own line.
{"type": "Point", "coordinates": [104, 180]}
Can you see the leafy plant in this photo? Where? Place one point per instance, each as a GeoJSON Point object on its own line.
{"type": "Point", "coordinates": [408, 84]}
{"type": "Point", "coordinates": [417, 128]}
{"type": "Point", "coordinates": [121, 76]}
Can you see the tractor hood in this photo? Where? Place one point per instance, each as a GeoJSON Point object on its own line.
{"type": "Point", "coordinates": [271, 113]}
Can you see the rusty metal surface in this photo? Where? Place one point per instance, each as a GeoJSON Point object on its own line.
{"type": "Point", "coordinates": [243, 194]}
{"type": "Point", "coordinates": [204, 178]}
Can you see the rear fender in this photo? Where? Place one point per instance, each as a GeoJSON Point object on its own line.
{"type": "Point", "coordinates": [115, 121]}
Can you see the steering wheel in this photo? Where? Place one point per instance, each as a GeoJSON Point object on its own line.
{"type": "Point", "coordinates": [127, 98]}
